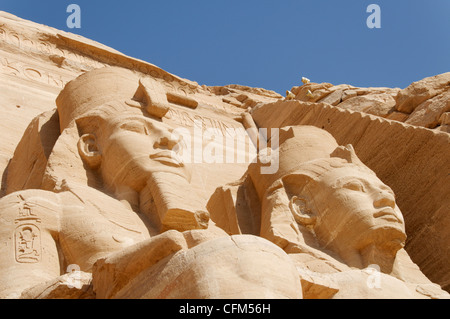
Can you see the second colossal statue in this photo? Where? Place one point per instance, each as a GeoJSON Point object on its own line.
{"type": "Point", "coordinates": [333, 216]}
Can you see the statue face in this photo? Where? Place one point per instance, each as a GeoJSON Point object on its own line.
{"type": "Point", "coordinates": [136, 147]}
{"type": "Point", "coordinates": [354, 209]}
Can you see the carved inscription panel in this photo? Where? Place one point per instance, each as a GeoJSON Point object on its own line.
{"type": "Point", "coordinates": [27, 235]}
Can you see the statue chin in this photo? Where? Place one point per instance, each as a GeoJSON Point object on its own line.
{"type": "Point", "coordinates": [389, 238]}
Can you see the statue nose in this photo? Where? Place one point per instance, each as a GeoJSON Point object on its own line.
{"type": "Point", "coordinates": [167, 140]}
{"type": "Point", "coordinates": [384, 199]}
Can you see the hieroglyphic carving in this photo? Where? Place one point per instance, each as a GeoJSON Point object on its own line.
{"type": "Point", "coordinates": [28, 246]}
{"type": "Point", "coordinates": [27, 235]}
{"type": "Point", "coordinates": [27, 45]}
{"type": "Point", "coordinates": [28, 72]}
{"type": "Point", "coordinates": [187, 119]}
{"type": "Point", "coordinates": [80, 53]}
{"type": "Point", "coordinates": [117, 59]}
{"type": "Point", "coordinates": [172, 83]}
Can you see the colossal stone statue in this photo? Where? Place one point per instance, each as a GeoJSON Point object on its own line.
{"type": "Point", "coordinates": [100, 201]}
{"type": "Point", "coordinates": [117, 206]}
{"type": "Point", "coordinates": [333, 216]}
{"type": "Point", "coordinates": [108, 208]}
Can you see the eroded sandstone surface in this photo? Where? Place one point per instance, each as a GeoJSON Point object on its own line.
{"type": "Point", "coordinates": [121, 180]}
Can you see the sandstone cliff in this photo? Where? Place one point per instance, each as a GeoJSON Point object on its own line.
{"type": "Point", "coordinates": [403, 135]}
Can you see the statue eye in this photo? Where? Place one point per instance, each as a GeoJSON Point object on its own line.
{"type": "Point", "coordinates": [135, 127]}
{"type": "Point", "coordinates": [354, 186]}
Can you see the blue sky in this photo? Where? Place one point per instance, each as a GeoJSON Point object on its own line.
{"type": "Point", "coordinates": [268, 44]}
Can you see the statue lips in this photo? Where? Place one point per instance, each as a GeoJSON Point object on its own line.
{"type": "Point", "coordinates": [387, 214]}
{"type": "Point", "coordinates": [169, 158]}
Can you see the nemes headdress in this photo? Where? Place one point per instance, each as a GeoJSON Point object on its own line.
{"type": "Point", "coordinates": [304, 150]}
{"type": "Point", "coordinates": [111, 84]}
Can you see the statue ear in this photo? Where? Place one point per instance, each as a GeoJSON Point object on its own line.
{"type": "Point", "coordinates": [89, 151]}
{"type": "Point", "coordinates": [303, 215]}
{"type": "Point", "coordinates": [299, 205]}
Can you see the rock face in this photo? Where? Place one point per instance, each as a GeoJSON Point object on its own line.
{"type": "Point", "coordinates": [420, 104]}
{"type": "Point", "coordinates": [121, 180]}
